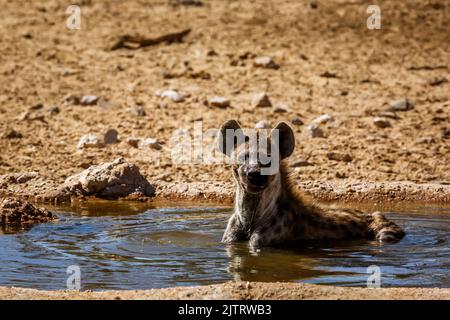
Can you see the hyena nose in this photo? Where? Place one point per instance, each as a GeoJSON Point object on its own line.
{"type": "Point", "coordinates": [256, 178]}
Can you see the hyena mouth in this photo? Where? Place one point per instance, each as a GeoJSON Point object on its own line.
{"type": "Point", "coordinates": [256, 184]}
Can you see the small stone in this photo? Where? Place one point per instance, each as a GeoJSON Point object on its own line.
{"type": "Point", "coordinates": [89, 100]}
{"type": "Point", "coordinates": [297, 121]}
{"type": "Point", "coordinates": [12, 134]}
{"type": "Point", "coordinates": [445, 133]}
{"type": "Point", "coordinates": [301, 163]}
{"type": "Point", "coordinates": [172, 95]}
{"type": "Point", "coordinates": [24, 116]}
{"type": "Point", "coordinates": [322, 119]}
{"type": "Point", "coordinates": [194, 3]}
{"type": "Point", "coordinates": [345, 157]}
{"type": "Point", "coordinates": [280, 109]}
{"type": "Point", "coordinates": [54, 110]}
{"type": "Point", "coordinates": [89, 141]}
{"type": "Point", "coordinates": [35, 107]}
{"type": "Point", "coordinates": [28, 116]}
{"type": "Point", "coordinates": [219, 102]}
{"type": "Point", "coordinates": [134, 142]}
{"type": "Point", "coordinates": [265, 62]}
{"type": "Point", "coordinates": [263, 124]}
{"type": "Point", "coordinates": [138, 111]}
{"type": "Point", "coordinates": [314, 131]}
{"type": "Point", "coordinates": [27, 176]}
{"type": "Point", "coordinates": [150, 142]}
{"type": "Point", "coordinates": [111, 136]}
{"type": "Point", "coordinates": [72, 99]}
{"type": "Point", "coordinates": [401, 105]}
{"type": "Point", "coordinates": [341, 175]}
{"type": "Point", "coordinates": [261, 100]}
{"type": "Point", "coordinates": [426, 140]}
{"type": "Point", "coordinates": [381, 122]}
{"type": "Point", "coordinates": [388, 114]}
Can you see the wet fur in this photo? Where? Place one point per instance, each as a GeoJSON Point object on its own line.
{"type": "Point", "coordinates": [279, 215]}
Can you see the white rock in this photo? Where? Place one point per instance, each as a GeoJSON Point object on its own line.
{"type": "Point", "coordinates": [219, 102]}
{"type": "Point", "coordinates": [322, 119]}
{"type": "Point", "coordinates": [265, 62]}
{"type": "Point", "coordinates": [89, 100]}
{"type": "Point", "coordinates": [89, 141]}
{"type": "Point", "coordinates": [173, 95]}
{"type": "Point", "coordinates": [263, 124]}
{"type": "Point", "coordinates": [150, 142]}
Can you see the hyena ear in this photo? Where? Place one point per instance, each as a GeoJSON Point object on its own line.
{"type": "Point", "coordinates": [286, 139]}
{"type": "Point", "coordinates": [229, 137]}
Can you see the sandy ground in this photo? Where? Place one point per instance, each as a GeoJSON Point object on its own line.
{"type": "Point", "coordinates": [330, 63]}
{"type": "Point", "coordinates": [239, 291]}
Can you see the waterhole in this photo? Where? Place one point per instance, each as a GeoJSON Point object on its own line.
{"type": "Point", "coordinates": [133, 246]}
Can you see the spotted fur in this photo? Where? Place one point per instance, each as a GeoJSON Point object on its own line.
{"type": "Point", "coordinates": [278, 214]}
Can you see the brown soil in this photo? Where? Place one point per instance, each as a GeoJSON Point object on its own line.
{"type": "Point", "coordinates": [239, 290]}
{"type": "Point", "coordinates": [329, 63]}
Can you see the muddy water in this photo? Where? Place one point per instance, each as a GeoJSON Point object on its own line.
{"type": "Point", "coordinates": [132, 246]}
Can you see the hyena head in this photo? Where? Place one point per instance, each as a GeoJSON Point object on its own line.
{"type": "Point", "coordinates": [256, 155]}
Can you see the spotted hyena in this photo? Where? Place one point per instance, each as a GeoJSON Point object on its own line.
{"type": "Point", "coordinates": [269, 211]}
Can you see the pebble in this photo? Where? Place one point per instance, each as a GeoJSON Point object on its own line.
{"type": "Point", "coordinates": [54, 110]}
{"type": "Point", "coordinates": [110, 136]}
{"type": "Point", "coordinates": [445, 133]}
{"type": "Point", "coordinates": [150, 142]}
{"type": "Point", "coordinates": [301, 163]}
{"type": "Point", "coordinates": [261, 100]}
{"type": "Point", "coordinates": [322, 119]}
{"type": "Point", "coordinates": [381, 122]}
{"type": "Point", "coordinates": [263, 124]}
{"type": "Point", "coordinates": [401, 105]}
{"type": "Point", "coordinates": [28, 116]}
{"type": "Point", "coordinates": [314, 131]}
{"type": "Point", "coordinates": [388, 114]}
{"type": "Point", "coordinates": [426, 140]}
{"type": "Point", "coordinates": [220, 102]}
{"type": "Point", "coordinates": [280, 109]}
{"type": "Point", "coordinates": [89, 141]}
{"type": "Point", "coordinates": [297, 121]}
{"type": "Point", "coordinates": [89, 100]}
{"type": "Point", "coordinates": [138, 111]}
{"type": "Point", "coordinates": [35, 107]}
{"type": "Point", "coordinates": [345, 157]}
{"type": "Point", "coordinates": [72, 99]}
{"type": "Point", "coordinates": [12, 134]}
{"type": "Point", "coordinates": [134, 142]}
{"type": "Point", "coordinates": [265, 62]}
{"type": "Point", "coordinates": [173, 95]}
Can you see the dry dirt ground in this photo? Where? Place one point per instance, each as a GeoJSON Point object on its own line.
{"type": "Point", "coordinates": [239, 291]}
{"type": "Point", "coordinates": [329, 63]}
